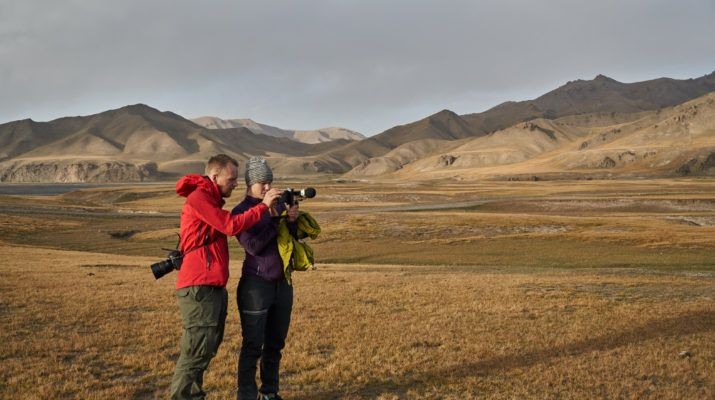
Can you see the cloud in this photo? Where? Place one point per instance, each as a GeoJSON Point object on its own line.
{"type": "Point", "coordinates": [366, 65]}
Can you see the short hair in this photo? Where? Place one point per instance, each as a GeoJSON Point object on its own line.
{"type": "Point", "coordinates": [218, 162]}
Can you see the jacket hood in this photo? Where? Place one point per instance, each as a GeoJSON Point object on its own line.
{"type": "Point", "coordinates": [189, 183]}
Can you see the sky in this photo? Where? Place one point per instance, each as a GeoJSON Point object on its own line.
{"type": "Point", "coordinates": [363, 65]}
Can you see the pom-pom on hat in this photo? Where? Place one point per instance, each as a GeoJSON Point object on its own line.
{"type": "Point", "coordinates": [258, 171]}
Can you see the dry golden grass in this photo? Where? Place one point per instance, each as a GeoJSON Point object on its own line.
{"type": "Point", "coordinates": [85, 326]}
{"type": "Point", "coordinates": [547, 290]}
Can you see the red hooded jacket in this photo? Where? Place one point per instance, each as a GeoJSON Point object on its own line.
{"type": "Point", "coordinates": [204, 227]}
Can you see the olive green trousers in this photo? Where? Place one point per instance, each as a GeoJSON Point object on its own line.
{"type": "Point", "coordinates": [203, 311]}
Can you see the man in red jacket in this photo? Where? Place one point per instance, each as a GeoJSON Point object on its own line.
{"type": "Point", "coordinates": [201, 281]}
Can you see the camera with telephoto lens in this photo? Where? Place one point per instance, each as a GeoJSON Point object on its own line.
{"type": "Point", "coordinates": [172, 262]}
{"type": "Point", "coordinates": [291, 197]}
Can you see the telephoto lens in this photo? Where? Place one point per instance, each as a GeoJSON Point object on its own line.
{"type": "Point", "coordinates": [165, 266]}
{"type": "Point", "coordinates": [161, 268]}
{"type": "Point", "coordinates": [291, 196]}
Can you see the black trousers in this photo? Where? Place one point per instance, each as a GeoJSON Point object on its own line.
{"type": "Point", "coordinates": [265, 309]}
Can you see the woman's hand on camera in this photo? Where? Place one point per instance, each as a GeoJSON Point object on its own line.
{"type": "Point", "coordinates": [271, 196]}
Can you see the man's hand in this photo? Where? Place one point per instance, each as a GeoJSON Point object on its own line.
{"type": "Point", "coordinates": [271, 196]}
{"type": "Point", "coordinates": [293, 213]}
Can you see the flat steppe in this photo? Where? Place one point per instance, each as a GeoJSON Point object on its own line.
{"type": "Point", "coordinates": [439, 290]}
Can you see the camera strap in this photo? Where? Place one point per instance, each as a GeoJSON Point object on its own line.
{"type": "Point", "coordinates": [206, 243]}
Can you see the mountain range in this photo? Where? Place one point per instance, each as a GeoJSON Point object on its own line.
{"type": "Point", "coordinates": [598, 128]}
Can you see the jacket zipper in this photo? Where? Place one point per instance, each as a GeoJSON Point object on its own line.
{"type": "Point", "coordinates": [208, 253]}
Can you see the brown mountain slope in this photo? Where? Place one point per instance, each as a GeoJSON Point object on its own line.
{"type": "Point", "coordinates": [129, 129]}
{"type": "Point", "coordinates": [76, 145]}
{"type": "Point", "coordinates": [678, 140]}
{"type": "Point", "coordinates": [444, 125]}
{"type": "Point", "coordinates": [402, 155]}
{"type": "Point", "coordinates": [600, 95]}
{"type": "Point", "coordinates": [513, 145]}
{"type": "Point", "coordinates": [504, 147]}
{"type": "Point", "coordinates": [126, 140]}
{"type": "Point", "coordinates": [19, 137]}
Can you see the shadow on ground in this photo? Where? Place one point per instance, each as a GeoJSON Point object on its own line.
{"type": "Point", "coordinates": [688, 324]}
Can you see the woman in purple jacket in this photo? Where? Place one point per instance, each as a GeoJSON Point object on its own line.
{"type": "Point", "coordinates": [265, 299]}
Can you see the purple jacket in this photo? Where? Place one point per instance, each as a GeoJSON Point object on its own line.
{"type": "Point", "coordinates": [260, 242]}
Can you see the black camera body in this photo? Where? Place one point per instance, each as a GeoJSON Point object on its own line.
{"type": "Point", "coordinates": [291, 197]}
{"type": "Point", "coordinates": [172, 262]}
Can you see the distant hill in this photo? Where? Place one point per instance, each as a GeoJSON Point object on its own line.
{"type": "Point", "coordinates": [130, 143]}
{"type": "Point", "coordinates": [304, 136]}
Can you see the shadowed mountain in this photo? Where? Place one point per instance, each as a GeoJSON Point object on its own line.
{"type": "Point", "coordinates": [600, 95]}
{"type": "Point", "coordinates": [303, 136]}
{"type": "Point", "coordinates": [445, 125]}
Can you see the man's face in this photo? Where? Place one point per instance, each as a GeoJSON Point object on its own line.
{"type": "Point", "coordinates": [226, 180]}
{"type": "Point", "coordinates": [258, 190]}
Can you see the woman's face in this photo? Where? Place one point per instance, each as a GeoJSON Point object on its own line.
{"type": "Point", "coordinates": [258, 190]}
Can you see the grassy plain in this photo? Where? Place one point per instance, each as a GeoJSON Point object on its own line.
{"type": "Point", "coordinates": [566, 289]}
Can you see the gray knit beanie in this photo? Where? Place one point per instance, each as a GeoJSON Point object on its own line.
{"type": "Point", "coordinates": [257, 171]}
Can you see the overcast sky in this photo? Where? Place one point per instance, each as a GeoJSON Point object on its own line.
{"type": "Point", "coordinates": [362, 64]}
